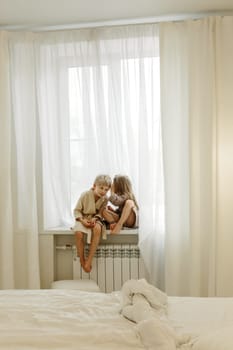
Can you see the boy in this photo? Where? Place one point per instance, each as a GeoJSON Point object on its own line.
{"type": "Point", "coordinates": [88, 216]}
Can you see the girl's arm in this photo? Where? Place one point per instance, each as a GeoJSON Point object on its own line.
{"type": "Point", "coordinates": [117, 200]}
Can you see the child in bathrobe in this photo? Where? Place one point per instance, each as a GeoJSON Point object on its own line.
{"type": "Point", "coordinates": [89, 220]}
{"type": "Point", "coordinates": [126, 207]}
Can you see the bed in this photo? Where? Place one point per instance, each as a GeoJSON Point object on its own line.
{"type": "Point", "coordinates": [138, 317]}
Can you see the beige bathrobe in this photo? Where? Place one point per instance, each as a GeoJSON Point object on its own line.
{"type": "Point", "coordinates": [86, 207]}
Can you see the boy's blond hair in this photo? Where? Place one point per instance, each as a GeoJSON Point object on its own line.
{"type": "Point", "coordinates": [104, 180]}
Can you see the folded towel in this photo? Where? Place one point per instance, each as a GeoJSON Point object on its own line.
{"type": "Point", "coordinates": [154, 296]}
{"type": "Point", "coordinates": [146, 305]}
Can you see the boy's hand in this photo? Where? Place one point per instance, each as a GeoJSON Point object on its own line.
{"type": "Point", "coordinates": [88, 223]}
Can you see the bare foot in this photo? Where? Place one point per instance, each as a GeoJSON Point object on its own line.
{"type": "Point", "coordinates": [115, 228]}
{"type": "Point", "coordinates": [82, 262]}
{"type": "Point", "coordinates": [87, 267]}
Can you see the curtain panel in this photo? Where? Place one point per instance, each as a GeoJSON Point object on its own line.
{"type": "Point", "coordinates": [196, 109]}
{"type": "Point", "coordinates": [18, 200]}
{"type": "Point", "coordinates": [6, 237]}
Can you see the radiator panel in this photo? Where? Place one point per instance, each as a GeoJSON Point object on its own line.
{"type": "Point", "coordinates": [112, 266]}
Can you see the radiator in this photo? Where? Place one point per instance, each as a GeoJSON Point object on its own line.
{"type": "Point", "coordinates": [112, 266]}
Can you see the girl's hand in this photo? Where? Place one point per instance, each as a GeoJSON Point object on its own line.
{"type": "Point", "coordinates": [110, 208]}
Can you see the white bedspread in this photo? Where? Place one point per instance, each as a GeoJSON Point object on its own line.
{"type": "Point", "coordinates": [208, 321]}
{"type": "Point", "coordinates": [64, 320]}
{"type": "Point", "coordinates": [70, 320]}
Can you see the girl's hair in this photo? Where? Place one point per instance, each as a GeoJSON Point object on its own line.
{"type": "Point", "coordinates": [104, 180]}
{"type": "Point", "coordinates": [122, 185]}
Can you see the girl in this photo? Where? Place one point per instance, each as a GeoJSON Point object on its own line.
{"type": "Point", "coordinates": [88, 216]}
{"type": "Point", "coordinates": [123, 198]}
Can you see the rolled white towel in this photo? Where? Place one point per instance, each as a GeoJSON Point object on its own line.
{"type": "Point", "coordinates": [156, 335]}
{"type": "Point", "coordinates": [155, 297]}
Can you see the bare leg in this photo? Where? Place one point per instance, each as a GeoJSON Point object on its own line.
{"type": "Point", "coordinates": [110, 216]}
{"type": "Point", "coordinates": [93, 246]}
{"type": "Point", "coordinates": [79, 241]}
{"type": "Point", "coordinates": [127, 217]}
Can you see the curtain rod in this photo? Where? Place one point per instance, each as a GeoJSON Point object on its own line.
{"type": "Point", "coordinates": [145, 20]}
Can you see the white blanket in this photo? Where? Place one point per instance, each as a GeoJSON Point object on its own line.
{"type": "Point", "coordinates": [221, 339]}
{"type": "Point", "coordinates": [75, 320]}
{"type": "Point", "coordinates": [208, 321]}
{"type": "Point", "coordinates": [64, 320]}
{"type": "Point", "coordinates": [146, 305]}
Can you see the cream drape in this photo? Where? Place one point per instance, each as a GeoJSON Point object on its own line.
{"type": "Point", "coordinates": [18, 202]}
{"type": "Point", "coordinates": [6, 237]}
{"type": "Point", "coordinates": [197, 104]}
{"type": "Point", "coordinates": [224, 149]}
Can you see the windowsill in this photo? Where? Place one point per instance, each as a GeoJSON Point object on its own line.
{"type": "Point", "coordinates": [66, 231]}
{"type": "Point", "coordinates": [126, 236]}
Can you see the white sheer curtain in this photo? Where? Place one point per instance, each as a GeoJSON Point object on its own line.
{"type": "Point", "coordinates": [107, 80]}
{"type": "Point", "coordinates": [196, 90]}
{"type": "Point", "coordinates": [83, 102]}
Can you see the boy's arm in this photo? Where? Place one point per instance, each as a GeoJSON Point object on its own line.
{"type": "Point", "coordinates": [78, 210]}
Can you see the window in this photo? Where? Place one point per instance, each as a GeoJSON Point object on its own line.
{"type": "Point", "coordinates": [85, 119]}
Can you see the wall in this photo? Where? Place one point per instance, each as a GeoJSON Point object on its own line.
{"type": "Point", "coordinates": [58, 264]}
